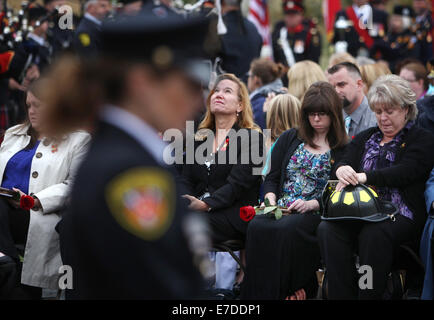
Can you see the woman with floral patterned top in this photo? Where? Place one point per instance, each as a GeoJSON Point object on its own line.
{"type": "Point", "coordinates": [283, 255]}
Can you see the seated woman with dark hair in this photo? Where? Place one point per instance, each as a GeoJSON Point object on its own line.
{"type": "Point", "coordinates": [43, 167]}
{"type": "Point", "coordinates": [283, 255]}
{"type": "Point", "coordinates": [395, 158]}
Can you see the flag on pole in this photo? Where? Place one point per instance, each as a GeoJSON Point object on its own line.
{"type": "Point", "coordinates": [258, 15]}
{"type": "Point", "coordinates": [330, 8]}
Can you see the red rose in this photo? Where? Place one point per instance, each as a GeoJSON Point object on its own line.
{"type": "Point", "coordinates": [27, 202]}
{"type": "Point", "coordinates": [247, 213]}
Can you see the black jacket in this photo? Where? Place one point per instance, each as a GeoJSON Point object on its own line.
{"type": "Point", "coordinates": [41, 55]}
{"type": "Point", "coordinates": [87, 42]}
{"type": "Point", "coordinates": [413, 163]}
{"type": "Point", "coordinates": [230, 185]}
{"type": "Point", "coordinates": [108, 260]}
{"type": "Point", "coordinates": [425, 117]}
{"type": "Point", "coordinates": [396, 47]}
{"type": "Point", "coordinates": [282, 152]}
{"type": "Point", "coordinates": [240, 45]}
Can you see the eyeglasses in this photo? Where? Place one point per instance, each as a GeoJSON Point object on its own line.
{"type": "Point", "coordinates": [319, 114]}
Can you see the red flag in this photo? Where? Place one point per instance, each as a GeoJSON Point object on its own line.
{"type": "Point", "coordinates": [258, 14]}
{"type": "Point", "coordinates": [362, 32]}
{"type": "Point", "coordinates": [330, 8]}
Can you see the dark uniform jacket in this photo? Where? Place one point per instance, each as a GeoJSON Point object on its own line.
{"type": "Point", "coordinates": [425, 117]}
{"type": "Point", "coordinates": [118, 250]}
{"type": "Point", "coordinates": [230, 186]}
{"type": "Point", "coordinates": [41, 54]}
{"type": "Point", "coordinates": [87, 38]}
{"type": "Point", "coordinates": [240, 45]}
{"type": "Point", "coordinates": [396, 47]}
{"type": "Point", "coordinates": [423, 29]}
{"type": "Point", "coordinates": [60, 40]}
{"type": "Point", "coordinates": [305, 43]}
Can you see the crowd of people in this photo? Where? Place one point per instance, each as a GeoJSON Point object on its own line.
{"type": "Point", "coordinates": [84, 115]}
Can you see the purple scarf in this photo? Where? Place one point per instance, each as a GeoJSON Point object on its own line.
{"type": "Point", "coordinates": [380, 157]}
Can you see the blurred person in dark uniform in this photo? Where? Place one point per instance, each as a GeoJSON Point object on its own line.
{"type": "Point", "coordinates": [12, 65]}
{"type": "Point", "coordinates": [357, 26]}
{"type": "Point", "coordinates": [87, 36]}
{"type": "Point", "coordinates": [129, 7]}
{"type": "Point", "coordinates": [126, 233]}
{"type": "Point", "coordinates": [36, 43]}
{"type": "Point", "coordinates": [426, 113]}
{"type": "Point", "coordinates": [400, 42]}
{"type": "Point", "coordinates": [28, 60]}
{"type": "Point", "coordinates": [241, 43]}
{"type": "Point", "coordinates": [423, 28]}
{"type": "Point", "coordinates": [60, 39]}
{"type": "Point", "coordinates": [425, 118]}
{"type": "Point", "coordinates": [295, 38]}
{"type": "Point", "coordinates": [378, 4]}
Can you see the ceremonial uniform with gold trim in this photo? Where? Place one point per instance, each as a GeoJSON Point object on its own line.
{"type": "Point", "coordinates": [396, 47]}
{"type": "Point", "coordinates": [423, 29]}
{"type": "Point", "coordinates": [400, 42]}
{"type": "Point", "coordinates": [304, 40]}
{"type": "Point", "coordinates": [355, 41]}
{"type": "Point", "coordinates": [122, 234]}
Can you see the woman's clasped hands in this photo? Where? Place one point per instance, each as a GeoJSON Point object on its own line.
{"type": "Point", "coordinates": [347, 176]}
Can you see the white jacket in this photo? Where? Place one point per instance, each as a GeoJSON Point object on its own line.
{"type": "Point", "coordinates": [52, 171]}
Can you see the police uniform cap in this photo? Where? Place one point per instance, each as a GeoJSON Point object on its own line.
{"type": "Point", "coordinates": [291, 6]}
{"type": "Point", "coordinates": [172, 41]}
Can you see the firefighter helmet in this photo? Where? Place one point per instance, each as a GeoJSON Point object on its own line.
{"type": "Point", "coordinates": [358, 202]}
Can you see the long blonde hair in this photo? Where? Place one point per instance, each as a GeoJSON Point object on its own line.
{"type": "Point", "coordinates": [302, 75]}
{"type": "Point", "coordinates": [283, 114]}
{"type": "Point", "coordinates": [244, 118]}
{"type": "Point", "coordinates": [371, 72]}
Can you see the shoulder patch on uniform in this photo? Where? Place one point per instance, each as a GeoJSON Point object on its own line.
{"type": "Point", "coordinates": [142, 201]}
{"type": "Point", "coordinates": [84, 39]}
